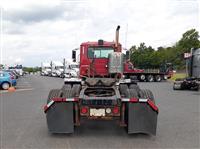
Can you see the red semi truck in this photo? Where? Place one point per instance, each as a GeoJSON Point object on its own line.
{"type": "Point", "coordinates": [101, 92]}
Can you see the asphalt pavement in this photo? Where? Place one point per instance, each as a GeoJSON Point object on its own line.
{"type": "Point", "coordinates": [23, 122]}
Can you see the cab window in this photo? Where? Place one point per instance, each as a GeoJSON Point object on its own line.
{"type": "Point", "coordinates": [99, 52]}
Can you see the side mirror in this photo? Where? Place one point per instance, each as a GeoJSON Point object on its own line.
{"type": "Point", "coordinates": [127, 54]}
{"type": "Point", "coordinates": [74, 55]}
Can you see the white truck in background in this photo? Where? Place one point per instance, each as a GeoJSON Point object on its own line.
{"type": "Point", "coordinates": [45, 69]}
{"type": "Point", "coordinates": [18, 69]}
{"type": "Point", "coordinates": [71, 69]}
{"type": "Point", "coordinates": [57, 68]}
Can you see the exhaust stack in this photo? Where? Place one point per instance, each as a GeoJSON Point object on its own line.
{"type": "Point", "coordinates": [117, 37]}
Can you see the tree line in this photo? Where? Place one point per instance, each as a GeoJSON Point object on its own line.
{"type": "Point", "coordinates": [147, 57]}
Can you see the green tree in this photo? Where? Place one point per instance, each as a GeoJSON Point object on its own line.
{"type": "Point", "coordinates": [190, 39]}
{"type": "Point", "coordinates": [147, 57]}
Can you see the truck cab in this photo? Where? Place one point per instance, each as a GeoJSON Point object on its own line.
{"type": "Point", "coordinates": [45, 69]}
{"type": "Point", "coordinates": [57, 69]}
{"type": "Point", "coordinates": [94, 58]}
{"type": "Point", "coordinates": [71, 69]}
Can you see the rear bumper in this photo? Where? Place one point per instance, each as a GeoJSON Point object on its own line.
{"type": "Point", "coordinates": [138, 115]}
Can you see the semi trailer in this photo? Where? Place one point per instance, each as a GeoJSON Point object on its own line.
{"type": "Point", "coordinates": [148, 75]}
{"type": "Point", "coordinates": [192, 82]}
{"type": "Point", "coordinates": [101, 93]}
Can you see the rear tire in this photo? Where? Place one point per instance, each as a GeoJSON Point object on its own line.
{"type": "Point", "coordinates": [134, 86]}
{"type": "Point", "coordinates": [131, 93]}
{"type": "Point", "coordinates": [123, 88]}
{"type": "Point", "coordinates": [66, 87]}
{"type": "Point", "coordinates": [177, 86]}
{"type": "Point", "coordinates": [54, 93]}
{"type": "Point", "coordinates": [140, 118]}
{"type": "Point", "coordinates": [158, 78]}
{"type": "Point", "coordinates": [76, 90]}
{"type": "Point", "coordinates": [142, 77]}
{"type": "Point", "coordinates": [60, 116]}
{"type": "Point", "coordinates": [150, 78]}
{"type": "Point", "coordinates": [146, 94]}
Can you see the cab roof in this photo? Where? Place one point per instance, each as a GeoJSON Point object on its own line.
{"type": "Point", "coordinates": [95, 43]}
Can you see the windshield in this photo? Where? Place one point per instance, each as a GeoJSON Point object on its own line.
{"type": "Point", "coordinates": [73, 66]}
{"type": "Point", "coordinates": [99, 52]}
{"type": "Point", "coordinates": [59, 67]}
{"type": "Point", "coordinates": [16, 67]}
{"type": "Point", "coordinates": [47, 67]}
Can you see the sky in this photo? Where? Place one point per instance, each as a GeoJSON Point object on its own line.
{"type": "Point", "coordinates": [35, 31]}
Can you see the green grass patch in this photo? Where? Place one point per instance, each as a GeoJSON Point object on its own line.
{"type": "Point", "coordinates": [178, 75]}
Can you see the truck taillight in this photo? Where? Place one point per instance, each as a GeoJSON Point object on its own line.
{"type": "Point", "coordinates": [12, 77]}
{"type": "Point", "coordinates": [84, 110]}
{"type": "Point", "coordinates": [115, 110]}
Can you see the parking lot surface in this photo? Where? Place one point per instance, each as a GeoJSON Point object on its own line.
{"type": "Point", "coordinates": [23, 122]}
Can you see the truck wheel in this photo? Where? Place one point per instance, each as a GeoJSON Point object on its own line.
{"type": "Point", "coordinates": [67, 93]}
{"type": "Point", "coordinates": [150, 78]}
{"type": "Point", "coordinates": [133, 93]}
{"type": "Point", "coordinates": [145, 93]}
{"type": "Point", "coordinates": [123, 88]}
{"type": "Point", "coordinates": [158, 78]}
{"type": "Point", "coordinates": [5, 85]}
{"type": "Point", "coordinates": [134, 86]}
{"type": "Point", "coordinates": [140, 118]}
{"type": "Point", "coordinates": [130, 93]}
{"type": "Point", "coordinates": [60, 116]}
{"type": "Point", "coordinates": [53, 93]}
{"type": "Point", "coordinates": [177, 86]}
{"type": "Point", "coordinates": [142, 77]}
{"type": "Point", "coordinates": [76, 90]}
{"type": "Point", "coordinates": [66, 87]}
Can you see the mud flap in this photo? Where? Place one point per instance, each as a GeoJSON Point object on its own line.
{"type": "Point", "coordinates": [141, 119]}
{"type": "Point", "coordinates": [60, 117]}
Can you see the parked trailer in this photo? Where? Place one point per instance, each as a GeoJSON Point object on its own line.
{"type": "Point", "coordinates": [193, 81]}
{"type": "Point", "coordinates": [102, 93]}
{"type": "Point", "coordinates": [148, 75]}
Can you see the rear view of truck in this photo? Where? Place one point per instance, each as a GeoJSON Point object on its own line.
{"type": "Point", "coordinates": [102, 93]}
{"type": "Point", "coordinates": [192, 82]}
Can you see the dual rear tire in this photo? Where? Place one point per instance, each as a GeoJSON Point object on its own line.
{"type": "Point", "coordinates": [139, 117]}
{"type": "Point", "coordinates": [60, 115]}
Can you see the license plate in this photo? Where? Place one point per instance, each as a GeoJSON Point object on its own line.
{"type": "Point", "coordinates": [97, 112]}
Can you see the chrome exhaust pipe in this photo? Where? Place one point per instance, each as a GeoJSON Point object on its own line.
{"type": "Point", "coordinates": [117, 37]}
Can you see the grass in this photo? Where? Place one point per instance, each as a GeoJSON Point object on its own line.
{"type": "Point", "coordinates": [178, 75]}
